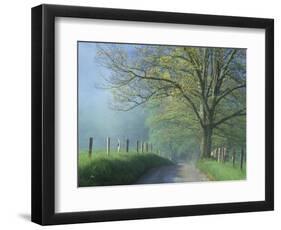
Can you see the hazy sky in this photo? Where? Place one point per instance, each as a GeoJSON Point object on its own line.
{"type": "Point", "coordinates": [96, 119]}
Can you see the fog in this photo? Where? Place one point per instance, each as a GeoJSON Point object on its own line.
{"type": "Point", "coordinates": [95, 117]}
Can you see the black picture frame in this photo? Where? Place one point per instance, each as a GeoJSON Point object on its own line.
{"type": "Point", "coordinates": [43, 114]}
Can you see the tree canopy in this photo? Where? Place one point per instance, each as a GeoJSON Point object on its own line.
{"type": "Point", "coordinates": [196, 95]}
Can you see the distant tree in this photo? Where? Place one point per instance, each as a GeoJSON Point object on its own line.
{"type": "Point", "coordinates": [209, 82]}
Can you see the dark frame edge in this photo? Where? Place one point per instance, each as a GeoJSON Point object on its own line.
{"type": "Point", "coordinates": [269, 113]}
{"type": "Point", "coordinates": [159, 212]}
{"type": "Point", "coordinates": [36, 114]}
{"type": "Point", "coordinates": [43, 116]}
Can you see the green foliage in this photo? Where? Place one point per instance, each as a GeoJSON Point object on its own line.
{"type": "Point", "coordinates": [173, 128]}
{"type": "Point", "coordinates": [194, 89]}
{"type": "Point", "coordinates": [117, 168]}
{"type": "Point", "coordinates": [221, 171]}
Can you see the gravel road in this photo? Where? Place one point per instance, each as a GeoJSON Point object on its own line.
{"type": "Point", "coordinates": [181, 172]}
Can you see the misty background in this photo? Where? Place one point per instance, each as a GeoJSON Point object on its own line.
{"type": "Point", "coordinates": [95, 117]}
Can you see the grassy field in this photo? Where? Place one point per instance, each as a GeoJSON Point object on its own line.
{"type": "Point", "coordinates": [115, 169]}
{"type": "Point", "coordinates": [221, 171]}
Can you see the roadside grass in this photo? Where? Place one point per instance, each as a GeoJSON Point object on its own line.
{"type": "Point", "coordinates": [115, 169]}
{"type": "Point", "coordinates": [221, 171]}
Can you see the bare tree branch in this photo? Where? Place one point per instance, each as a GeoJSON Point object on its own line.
{"type": "Point", "coordinates": [227, 92]}
{"type": "Point", "coordinates": [241, 112]}
{"type": "Point", "coordinates": [226, 64]}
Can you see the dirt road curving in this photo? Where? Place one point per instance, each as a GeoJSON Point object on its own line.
{"type": "Point", "coordinates": [181, 172]}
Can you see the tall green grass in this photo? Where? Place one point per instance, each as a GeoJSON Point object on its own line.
{"type": "Point", "coordinates": [115, 169]}
{"type": "Point", "coordinates": [221, 171]}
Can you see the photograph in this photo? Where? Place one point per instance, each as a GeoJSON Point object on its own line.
{"type": "Point", "coordinates": [157, 113]}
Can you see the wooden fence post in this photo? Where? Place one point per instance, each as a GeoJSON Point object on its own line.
{"type": "Point", "coordinates": [127, 145]}
{"type": "Point", "coordinates": [118, 145]}
{"type": "Point", "coordinates": [242, 158]}
{"type": "Point", "coordinates": [146, 147]}
{"type": "Point", "coordinates": [224, 155]}
{"type": "Point", "coordinates": [108, 145]}
{"type": "Point", "coordinates": [137, 146]}
{"type": "Point", "coordinates": [218, 155]}
{"type": "Point", "coordinates": [233, 157]}
{"type": "Point", "coordinates": [142, 146]}
{"type": "Point", "coordinates": [90, 147]}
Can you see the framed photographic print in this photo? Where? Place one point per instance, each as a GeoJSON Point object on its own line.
{"type": "Point", "coordinates": [141, 114]}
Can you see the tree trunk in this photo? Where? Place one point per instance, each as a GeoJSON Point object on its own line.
{"type": "Point", "coordinates": [233, 157]}
{"type": "Point", "coordinates": [206, 144]}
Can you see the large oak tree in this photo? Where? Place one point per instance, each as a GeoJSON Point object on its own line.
{"type": "Point", "coordinates": [210, 82]}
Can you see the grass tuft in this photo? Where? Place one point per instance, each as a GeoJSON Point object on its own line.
{"type": "Point", "coordinates": [221, 171]}
{"type": "Point", "coordinates": [116, 169]}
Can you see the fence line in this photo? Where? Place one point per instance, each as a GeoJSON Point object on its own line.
{"type": "Point", "coordinates": [222, 155]}
{"type": "Point", "coordinates": [141, 146]}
